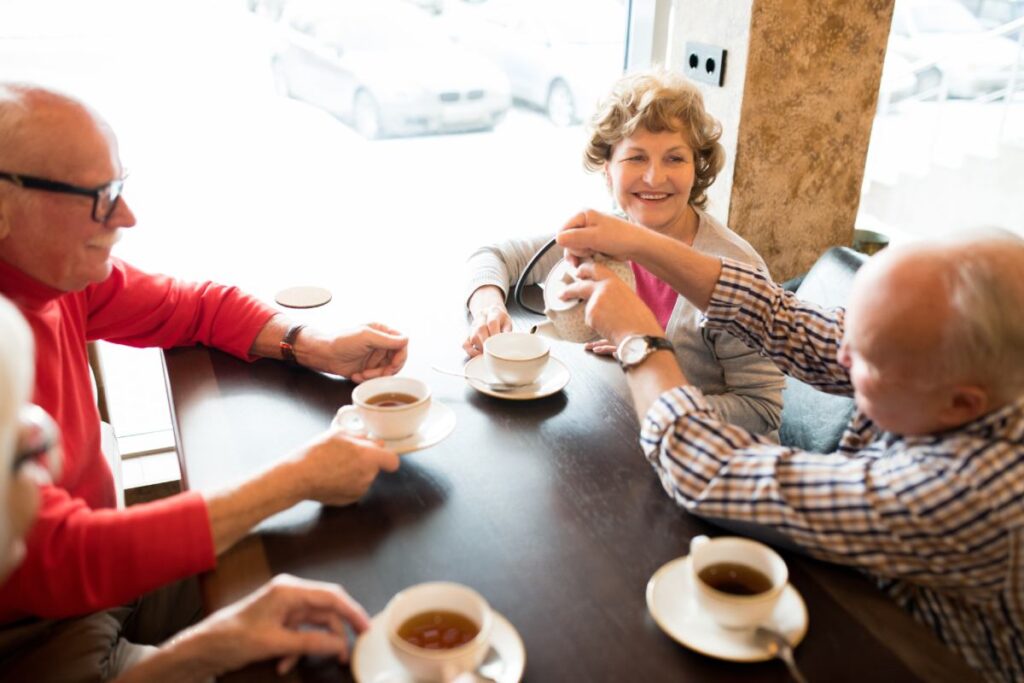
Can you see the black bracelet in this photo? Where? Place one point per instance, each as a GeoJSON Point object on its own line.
{"type": "Point", "coordinates": [287, 344]}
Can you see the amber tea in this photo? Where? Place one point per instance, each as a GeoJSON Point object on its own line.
{"type": "Point", "coordinates": [391, 399]}
{"type": "Point", "coordinates": [735, 579]}
{"type": "Point", "coordinates": [438, 630]}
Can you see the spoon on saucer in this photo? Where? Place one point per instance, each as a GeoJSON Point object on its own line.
{"type": "Point", "coordinates": [778, 645]}
{"type": "Point", "coordinates": [493, 386]}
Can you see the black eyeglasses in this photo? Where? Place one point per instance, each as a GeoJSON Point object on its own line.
{"type": "Point", "coordinates": [104, 197]}
{"type": "Point", "coordinates": [37, 440]}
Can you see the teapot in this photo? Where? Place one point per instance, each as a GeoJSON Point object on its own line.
{"type": "Point", "coordinates": [565, 319]}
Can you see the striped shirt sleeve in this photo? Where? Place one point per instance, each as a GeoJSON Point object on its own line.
{"type": "Point", "coordinates": [903, 511]}
{"type": "Point", "coordinates": [748, 305]}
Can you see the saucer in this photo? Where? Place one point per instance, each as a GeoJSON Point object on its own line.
{"type": "Point", "coordinates": [551, 381]}
{"type": "Point", "coordinates": [373, 661]}
{"type": "Point", "coordinates": [671, 602]}
{"type": "Point", "coordinates": [438, 424]}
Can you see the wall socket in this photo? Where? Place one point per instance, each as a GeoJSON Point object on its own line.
{"type": "Point", "coordinates": [705, 63]}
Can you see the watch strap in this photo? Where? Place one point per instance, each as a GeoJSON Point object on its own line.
{"type": "Point", "coordinates": [287, 344]}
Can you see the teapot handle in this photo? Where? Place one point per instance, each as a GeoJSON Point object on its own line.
{"type": "Point", "coordinates": [517, 295]}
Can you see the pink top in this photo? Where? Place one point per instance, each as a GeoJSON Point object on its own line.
{"type": "Point", "coordinates": [658, 296]}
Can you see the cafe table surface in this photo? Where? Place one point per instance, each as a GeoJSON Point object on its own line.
{"type": "Point", "coordinates": [546, 507]}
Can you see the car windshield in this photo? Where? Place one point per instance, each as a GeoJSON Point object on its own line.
{"type": "Point", "coordinates": [378, 27]}
{"type": "Point", "coordinates": [944, 18]}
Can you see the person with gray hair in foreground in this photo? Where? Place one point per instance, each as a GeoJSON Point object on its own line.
{"type": "Point", "coordinates": [925, 491]}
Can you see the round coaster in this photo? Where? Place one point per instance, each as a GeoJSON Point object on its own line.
{"type": "Point", "coordinates": [303, 297]}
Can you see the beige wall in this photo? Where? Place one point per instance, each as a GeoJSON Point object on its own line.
{"type": "Point", "coordinates": [801, 86]}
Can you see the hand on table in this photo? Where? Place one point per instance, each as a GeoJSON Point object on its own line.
{"type": "Point", "coordinates": [274, 622]}
{"type": "Point", "coordinates": [490, 317]}
{"type": "Point", "coordinates": [613, 309]}
{"type": "Point", "coordinates": [337, 468]}
{"type": "Point", "coordinates": [373, 350]}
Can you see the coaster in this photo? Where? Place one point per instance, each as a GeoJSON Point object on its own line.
{"type": "Point", "coordinates": [303, 297]}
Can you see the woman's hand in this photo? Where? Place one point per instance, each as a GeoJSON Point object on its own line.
{"type": "Point", "coordinates": [490, 317]}
{"type": "Point", "coordinates": [590, 232]}
{"type": "Point", "coordinates": [602, 347]}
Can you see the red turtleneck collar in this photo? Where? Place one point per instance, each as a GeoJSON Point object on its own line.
{"type": "Point", "coordinates": [25, 290]}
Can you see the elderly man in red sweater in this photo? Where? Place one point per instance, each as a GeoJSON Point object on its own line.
{"type": "Point", "coordinates": [61, 208]}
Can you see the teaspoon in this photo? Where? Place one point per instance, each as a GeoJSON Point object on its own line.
{"type": "Point", "coordinates": [494, 386]}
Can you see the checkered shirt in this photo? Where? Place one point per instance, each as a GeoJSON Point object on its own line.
{"type": "Point", "coordinates": [938, 520]}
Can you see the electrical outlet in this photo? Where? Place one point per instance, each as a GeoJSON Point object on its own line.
{"type": "Point", "coordinates": [705, 63]}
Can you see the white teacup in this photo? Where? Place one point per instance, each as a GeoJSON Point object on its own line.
{"type": "Point", "coordinates": [439, 664]}
{"type": "Point", "coordinates": [394, 419]}
{"type": "Point", "coordinates": [516, 357]}
{"type": "Point", "coordinates": [730, 609]}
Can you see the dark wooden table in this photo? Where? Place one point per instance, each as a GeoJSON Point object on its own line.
{"type": "Point", "coordinates": [546, 507]}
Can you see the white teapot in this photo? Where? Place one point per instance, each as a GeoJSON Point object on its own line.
{"type": "Point", "coordinates": [565, 319]}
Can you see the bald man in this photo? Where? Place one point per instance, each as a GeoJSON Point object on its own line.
{"type": "Point", "coordinates": [926, 490]}
{"type": "Point", "coordinates": [62, 208]}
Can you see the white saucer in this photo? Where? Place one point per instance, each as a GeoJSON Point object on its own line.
{"type": "Point", "coordinates": [671, 602]}
{"type": "Point", "coordinates": [439, 423]}
{"type": "Point", "coordinates": [552, 380]}
{"type": "Point", "coordinates": [373, 662]}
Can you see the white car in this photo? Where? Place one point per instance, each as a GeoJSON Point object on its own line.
{"type": "Point", "coordinates": [948, 43]}
{"type": "Point", "coordinates": [385, 68]}
{"type": "Point", "coordinates": [560, 56]}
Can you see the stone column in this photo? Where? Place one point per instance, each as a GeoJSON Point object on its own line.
{"type": "Point", "coordinates": [801, 87]}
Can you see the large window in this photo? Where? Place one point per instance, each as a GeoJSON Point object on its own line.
{"type": "Point", "coordinates": [947, 146]}
{"type": "Point", "coordinates": [383, 121]}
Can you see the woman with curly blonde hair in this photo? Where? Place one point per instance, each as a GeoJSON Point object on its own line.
{"type": "Point", "coordinates": [659, 150]}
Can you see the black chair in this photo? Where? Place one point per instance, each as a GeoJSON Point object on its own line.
{"type": "Point", "coordinates": [813, 420]}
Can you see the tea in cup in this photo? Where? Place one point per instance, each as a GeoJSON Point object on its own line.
{"type": "Point", "coordinates": [516, 357]}
{"type": "Point", "coordinates": [438, 630]}
{"type": "Point", "coordinates": [386, 407]}
{"type": "Point", "coordinates": [738, 582]}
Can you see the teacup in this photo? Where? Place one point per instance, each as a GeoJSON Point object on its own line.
{"type": "Point", "coordinates": [420, 602]}
{"type": "Point", "coordinates": [738, 582]}
{"type": "Point", "coordinates": [516, 357]}
{"type": "Point", "coordinates": [386, 407]}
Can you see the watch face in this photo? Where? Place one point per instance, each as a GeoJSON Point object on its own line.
{"type": "Point", "coordinates": [633, 350]}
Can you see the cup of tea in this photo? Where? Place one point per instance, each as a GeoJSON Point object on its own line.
{"type": "Point", "coordinates": [516, 357]}
{"type": "Point", "coordinates": [386, 407]}
{"type": "Point", "coordinates": [737, 581]}
{"type": "Point", "coordinates": [438, 630]}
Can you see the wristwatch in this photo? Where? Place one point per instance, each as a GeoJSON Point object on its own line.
{"type": "Point", "coordinates": [634, 349]}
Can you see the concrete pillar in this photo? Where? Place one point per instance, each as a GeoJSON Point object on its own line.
{"type": "Point", "coordinates": [801, 87]}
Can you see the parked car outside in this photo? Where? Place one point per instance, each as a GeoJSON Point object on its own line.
{"type": "Point", "coordinates": [561, 56]}
{"type": "Point", "coordinates": [386, 69]}
{"type": "Point", "coordinates": [945, 33]}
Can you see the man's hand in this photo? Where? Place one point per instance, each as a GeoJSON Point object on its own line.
{"type": "Point", "coordinates": [613, 309]}
{"type": "Point", "coordinates": [590, 232]}
{"type": "Point", "coordinates": [490, 317]}
{"type": "Point", "coordinates": [373, 350]}
{"type": "Point", "coordinates": [287, 618]}
{"type": "Point", "coordinates": [337, 468]}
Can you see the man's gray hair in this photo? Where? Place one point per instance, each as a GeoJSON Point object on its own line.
{"type": "Point", "coordinates": [984, 338]}
{"type": "Point", "coordinates": [14, 115]}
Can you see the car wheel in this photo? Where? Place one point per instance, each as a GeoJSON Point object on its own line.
{"type": "Point", "coordinates": [560, 106]}
{"type": "Point", "coordinates": [280, 79]}
{"type": "Point", "coordinates": [366, 115]}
